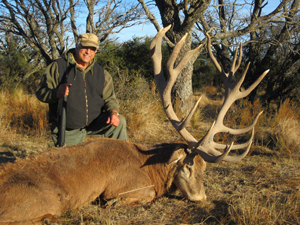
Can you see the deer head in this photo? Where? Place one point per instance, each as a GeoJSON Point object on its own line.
{"type": "Point", "coordinates": [207, 148]}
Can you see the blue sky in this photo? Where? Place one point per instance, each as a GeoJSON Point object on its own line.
{"type": "Point", "coordinates": [137, 31]}
{"type": "Point", "coordinates": [149, 30]}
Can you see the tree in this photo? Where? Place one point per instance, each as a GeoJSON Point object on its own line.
{"type": "Point", "coordinates": [130, 56]}
{"type": "Point", "coordinates": [18, 63]}
{"type": "Point", "coordinates": [182, 15]}
{"type": "Point", "coordinates": [46, 26]}
{"type": "Point", "coordinates": [270, 42]}
{"type": "Point", "coordinates": [227, 21]}
{"type": "Point", "coordinates": [278, 48]}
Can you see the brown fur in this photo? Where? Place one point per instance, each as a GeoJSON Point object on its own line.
{"type": "Point", "coordinates": [51, 182]}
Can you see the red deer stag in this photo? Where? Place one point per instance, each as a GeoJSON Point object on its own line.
{"type": "Point", "coordinates": [34, 189]}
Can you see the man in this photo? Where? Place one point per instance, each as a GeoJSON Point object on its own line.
{"type": "Point", "coordinates": [92, 107]}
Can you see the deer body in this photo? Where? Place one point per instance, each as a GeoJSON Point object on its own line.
{"type": "Point", "coordinates": [60, 179]}
{"type": "Point", "coordinates": [40, 186]}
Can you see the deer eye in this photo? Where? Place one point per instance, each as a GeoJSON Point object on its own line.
{"type": "Point", "coordinates": [188, 170]}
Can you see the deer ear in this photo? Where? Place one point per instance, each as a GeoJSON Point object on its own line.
{"type": "Point", "coordinates": [177, 155]}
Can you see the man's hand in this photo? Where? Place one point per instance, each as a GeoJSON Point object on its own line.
{"type": "Point", "coordinates": [63, 90]}
{"type": "Point", "coordinates": [113, 118]}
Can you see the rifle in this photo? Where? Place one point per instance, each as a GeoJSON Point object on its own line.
{"type": "Point", "coordinates": [63, 111]}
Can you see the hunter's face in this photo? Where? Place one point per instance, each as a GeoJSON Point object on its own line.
{"type": "Point", "coordinates": [84, 55]}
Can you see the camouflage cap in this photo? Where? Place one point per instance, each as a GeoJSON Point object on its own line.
{"type": "Point", "coordinates": [88, 40]}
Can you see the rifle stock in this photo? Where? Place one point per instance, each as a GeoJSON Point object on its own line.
{"type": "Point", "coordinates": [62, 123]}
{"type": "Point", "coordinates": [63, 112]}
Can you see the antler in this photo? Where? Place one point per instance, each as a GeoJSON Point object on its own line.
{"type": "Point", "coordinates": [206, 147]}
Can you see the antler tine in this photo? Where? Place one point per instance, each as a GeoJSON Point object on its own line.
{"type": "Point", "coordinates": [232, 93]}
{"type": "Point", "coordinates": [234, 66]}
{"type": "Point", "coordinates": [245, 129]}
{"type": "Point", "coordinates": [207, 148]}
{"type": "Point", "coordinates": [254, 85]}
{"type": "Point", "coordinates": [155, 52]}
{"type": "Point", "coordinates": [185, 121]}
{"type": "Point", "coordinates": [173, 72]}
{"type": "Point", "coordinates": [210, 134]}
{"type": "Point", "coordinates": [240, 56]}
{"type": "Point", "coordinates": [211, 55]}
{"type": "Point", "coordinates": [236, 146]}
{"type": "Point", "coordinates": [218, 156]}
{"type": "Point", "coordinates": [166, 87]}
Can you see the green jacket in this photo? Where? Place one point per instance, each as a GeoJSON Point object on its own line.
{"type": "Point", "coordinates": [47, 88]}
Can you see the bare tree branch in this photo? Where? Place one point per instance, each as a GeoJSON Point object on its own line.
{"type": "Point", "coordinates": [228, 22]}
{"type": "Point", "coordinates": [46, 25]}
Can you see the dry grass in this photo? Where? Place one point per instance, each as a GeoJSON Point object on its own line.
{"type": "Point", "coordinates": [140, 103]}
{"type": "Point", "coordinates": [24, 126]}
{"type": "Point", "coordinates": [23, 113]}
{"type": "Point", "coordinates": [262, 189]}
{"type": "Point", "coordinates": [287, 127]}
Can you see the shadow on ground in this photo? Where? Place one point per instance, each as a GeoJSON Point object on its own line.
{"type": "Point", "coordinates": [9, 153]}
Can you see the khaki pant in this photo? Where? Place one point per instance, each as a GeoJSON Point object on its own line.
{"type": "Point", "coordinates": [98, 126]}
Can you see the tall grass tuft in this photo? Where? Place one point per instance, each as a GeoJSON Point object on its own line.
{"type": "Point", "coordinates": [141, 106]}
{"type": "Point", "coordinates": [286, 127]}
{"type": "Point", "coordinates": [24, 125]}
{"type": "Point", "coordinates": [271, 208]}
{"type": "Point", "coordinates": [23, 113]}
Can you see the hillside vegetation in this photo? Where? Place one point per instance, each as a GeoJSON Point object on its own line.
{"type": "Point", "coordinates": [262, 189]}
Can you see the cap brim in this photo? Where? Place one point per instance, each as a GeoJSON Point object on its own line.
{"type": "Point", "coordinates": [89, 44]}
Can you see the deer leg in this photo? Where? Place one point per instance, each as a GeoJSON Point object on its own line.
{"type": "Point", "coordinates": [143, 195]}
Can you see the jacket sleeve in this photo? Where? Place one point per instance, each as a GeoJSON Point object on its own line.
{"type": "Point", "coordinates": [109, 97]}
{"type": "Point", "coordinates": [47, 88]}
